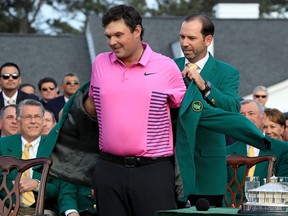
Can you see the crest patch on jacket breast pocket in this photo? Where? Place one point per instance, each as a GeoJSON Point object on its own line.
{"type": "Point", "coordinates": [197, 106]}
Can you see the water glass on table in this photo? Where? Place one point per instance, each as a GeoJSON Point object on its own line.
{"type": "Point", "coordinates": [251, 183]}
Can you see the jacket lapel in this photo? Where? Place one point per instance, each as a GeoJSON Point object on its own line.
{"type": "Point", "coordinates": [15, 146]}
{"type": "Point", "coordinates": [209, 69]}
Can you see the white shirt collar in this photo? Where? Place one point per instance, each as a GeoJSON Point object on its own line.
{"type": "Point", "coordinates": [201, 63]}
{"type": "Point", "coordinates": [66, 99]}
{"type": "Point", "coordinates": [6, 98]}
{"type": "Point", "coordinates": [34, 148]}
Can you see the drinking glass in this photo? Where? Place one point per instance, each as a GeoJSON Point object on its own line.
{"type": "Point", "coordinates": [283, 180]}
{"type": "Point", "coordinates": [251, 183]}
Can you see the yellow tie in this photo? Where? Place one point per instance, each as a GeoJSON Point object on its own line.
{"type": "Point", "coordinates": [11, 101]}
{"type": "Point", "coordinates": [192, 66]}
{"type": "Point", "coordinates": [27, 197]}
{"type": "Point", "coordinates": [251, 154]}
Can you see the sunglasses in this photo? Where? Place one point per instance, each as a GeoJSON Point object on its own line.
{"type": "Point", "coordinates": [7, 76]}
{"type": "Point", "coordinates": [46, 89]}
{"type": "Point", "coordinates": [262, 96]}
{"type": "Point", "coordinates": [72, 83]}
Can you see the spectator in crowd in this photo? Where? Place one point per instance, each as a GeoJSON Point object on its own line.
{"type": "Point", "coordinates": [260, 93]}
{"type": "Point", "coordinates": [49, 122]}
{"type": "Point", "coordinates": [218, 83]}
{"type": "Point", "coordinates": [8, 121]}
{"type": "Point", "coordinates": [70, 84]}
{"type": "Point", "coordinates": [48, 89]}
{"type": "Point", "coordinates": [254, 111]}
{"type": "Point", "coordinates": [285, 134]}
{"type": "Point", "coordinates": [30, 117]}
{"type": "Point", "coordinates": [27, 88]}
{"type": "Point", "coordinates": [274, 123]}
{"type": "Point", "coordinates": [10, 80]}
{"type": "Point", "coordinates": [145, 85]}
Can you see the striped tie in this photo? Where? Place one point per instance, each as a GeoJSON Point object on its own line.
{"type": "Point", "coordinates": [251, 154]}
{"type": "Point", "coordinates": [27, 197]}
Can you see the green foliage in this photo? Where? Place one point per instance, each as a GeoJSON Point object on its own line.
{"type": "Point", "coordinates": [23, 16]}
{"type": "Point", "coordinates": [278, 6]}
{"type": "Point", "coordinates": [183, 7]}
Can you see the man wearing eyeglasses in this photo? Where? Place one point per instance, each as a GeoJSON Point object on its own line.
{"type": "Point", "coordinates": [260, 94]}
{"type": "Point", "coordinates": [10, 80]}
{"type": "Point", "coordinates": [30, 118]}
{"type": "Point", "coordinates": [70, 84]}
{"type": "Point", "coordinates": [48, 89]}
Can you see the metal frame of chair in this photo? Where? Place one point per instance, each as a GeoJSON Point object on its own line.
{"type": "Point", "coordinates": [10, 204]}
{"type": "Point", "coordinates": [235, 161]}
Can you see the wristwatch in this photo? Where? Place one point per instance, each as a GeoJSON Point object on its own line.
{"type": "Point", "coordinates": [207, 88]}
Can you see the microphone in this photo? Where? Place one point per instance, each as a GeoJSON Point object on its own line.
{"type": "Point", "coordinates": [202, 204]}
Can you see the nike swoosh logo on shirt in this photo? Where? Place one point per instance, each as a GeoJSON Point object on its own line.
{"type": "Point", "coordinates": [147, 74]}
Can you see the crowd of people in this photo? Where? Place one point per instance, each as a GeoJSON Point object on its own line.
{"type": "Point", "coordinates": [162, 124]}
{"type": "Point", "coordinates": [28, 118]}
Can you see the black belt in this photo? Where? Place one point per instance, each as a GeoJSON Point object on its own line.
{"type": "Point", "coordinates": [132, 161]}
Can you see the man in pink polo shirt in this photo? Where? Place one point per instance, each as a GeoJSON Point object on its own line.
{"type": "Point", "coordinates": [132, 90]}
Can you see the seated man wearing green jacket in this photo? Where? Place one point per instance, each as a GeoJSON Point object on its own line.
{"type": "Point", "coordinates": [254, 111]}
{"type": "Point", "coordinates": [30, 117]}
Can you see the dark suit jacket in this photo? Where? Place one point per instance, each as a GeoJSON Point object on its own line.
{"type": "Point", "coordinates": [74, 142]}
{"type": "Point", "coordinates": [20, 97]}
{"type": "Point", "coordinates": [55, 105]}
{"type": "Point", "coordinates": [210, 149]}
{"type": "Point", "coordinates": [278, 148]}
{"type": "Point", "coordinates": [11, 145]}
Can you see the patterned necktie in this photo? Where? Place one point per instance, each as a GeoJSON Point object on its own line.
{"type": "Point", "coordinates": [251, 154]}
{"type": "Point", "coordinates": [11, 101]}
{"type": "Point", "coordinates": [27, 197]}
{"type": "Point", "coordinates": [192, 66]}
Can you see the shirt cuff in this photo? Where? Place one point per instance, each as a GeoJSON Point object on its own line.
{"type": "Point", "coordinates": [70, 211]}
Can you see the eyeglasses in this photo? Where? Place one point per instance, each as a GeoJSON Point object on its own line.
{"type": "Point", "coordinates": [72, 83]}
{"type": "Point", "coordinates": [30, 117]}
{"type": "Point", "coordinates": [7, 76]}
{"type": "Point", "coordinates": [46, 89]}
{"type": "Point", "coordinates": [262, 96]}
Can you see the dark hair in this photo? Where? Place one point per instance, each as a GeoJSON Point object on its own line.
{"type": "Point", "coordinates": [285, 115]}
{"type": "Point", "coordinates": [9, 64]}
{"type": "Point", "coordinates": [52, 114]}
{"type": "Point", "coordinates": [207, 25]}
{"type": "Point", "coordinates": [45, 80]}
{"type": "Point", "coordinates": [129, 14]}
{"type": "Point", "coordinates": [275, 116]}
{"type": "Point", "coordinates": [4, 108]}
{"type": "Point", "coordinates": [69, 75]}
{"type": "Point", "coordinates": [24, 85]}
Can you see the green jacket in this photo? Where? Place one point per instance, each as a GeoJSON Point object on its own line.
{"type": "Point", "coordinates": [75, 197]}
{"type": "Point", "coordinates": [12, 146]}
{"type": "Point", "coordinates": [211, 145]}
{"type": "Point", "coordinates": [76, 146]}
{"type": "Point", "coordinates": [202, 164]}
{"type": "Point", "coordinates": [280, 168]}
{"type": "Point", "coordinates": [72, 150]}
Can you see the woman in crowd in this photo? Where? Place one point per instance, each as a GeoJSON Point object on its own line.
{"type": "Point", "coordinates": [274, 123]}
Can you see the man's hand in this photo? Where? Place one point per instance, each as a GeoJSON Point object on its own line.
{"type": "Point", "coordinates": [90, 106]}
{"type": "Point", "coordinates": [193, 74]}
{"type": "Point", "coordinates": [27, 184]}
